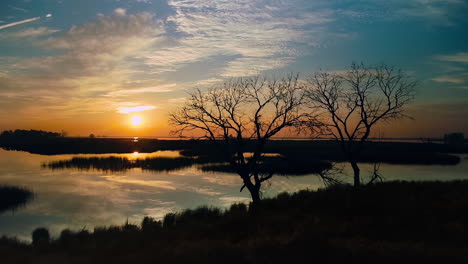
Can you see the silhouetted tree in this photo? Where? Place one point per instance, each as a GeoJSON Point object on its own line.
{"type": "Point", "coordinates": [353, 102]}
{"type": "Point", "coordinates": [244, 110]}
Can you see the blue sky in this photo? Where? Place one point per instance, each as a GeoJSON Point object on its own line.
{"type": "Point", "coordinates": [81, 65]}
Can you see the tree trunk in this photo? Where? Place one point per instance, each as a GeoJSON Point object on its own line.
{"type": "Point", "coordinates": [255, 196]}
{"type": "Point", "coordinates": [356, 171]}
{"type": "Point", "coordinates": [254, 189]}
{"type": "Point", "coordinates": [254, 193]}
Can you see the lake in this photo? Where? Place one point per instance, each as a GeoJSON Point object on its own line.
{"type": "Point", "coordinates": [83, 199]}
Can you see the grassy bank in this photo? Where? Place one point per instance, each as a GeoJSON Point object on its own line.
{"type": "Point", "coordinates": [387, 222]}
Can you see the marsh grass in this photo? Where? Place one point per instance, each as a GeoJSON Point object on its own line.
{"type": "Point", "coordinates": [275, 164]}
{"type": "Point", "coordinates": [279, 165]}
{"type": "Point", "coordinates": [384, 223]}
{"type": "Point", "coordinates": [115, 164]}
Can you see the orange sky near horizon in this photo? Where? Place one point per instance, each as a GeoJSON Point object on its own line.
{"type": "Point", "coordinates": [155, 124]}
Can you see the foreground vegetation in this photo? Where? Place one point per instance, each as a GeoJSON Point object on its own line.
{"type": "Point", "coordinates": [386, 222]}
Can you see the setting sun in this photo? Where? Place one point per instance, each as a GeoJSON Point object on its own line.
{"type": "Point", "coordinates": [136, 120]}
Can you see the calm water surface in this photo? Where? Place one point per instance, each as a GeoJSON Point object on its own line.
{"type": "Point", "coordinates": [78, 199]}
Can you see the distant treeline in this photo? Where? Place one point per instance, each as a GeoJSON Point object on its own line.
{"type": "Point", "coordinates": [50, 143]}
{"type": "Point", "coordinates": [386, 152]}
{"type": "Point", "coordinates": [28, 134]}
{"type": "Point", "coordinates": [393, 222]}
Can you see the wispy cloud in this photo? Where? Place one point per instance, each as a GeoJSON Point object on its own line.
{"type": "Point", "coordinates": [128, 110]}
{"type": "Point", "coordinates": [210, 81]}
{"type": "Point", "coordinates": [248, 66]}
{"type": "Point", "coordinates": [19, 22]}
{"type": "Point", "coordinates": [458, 57]}
{"type": "Point", "coordinates": [109, 34]}
{"type": "Point", "coordinates": [458, 78]}
{"type": "Point", "coordinates": [178, 100]}
{"type": "Point", "coordinates": [34, 32]}
{"type": "Point", "coordinates": [434, 11]}
{"type": "Point", "coordinates": [120, 11]}
{"type": "Point", "coordinates": [454, 69]}
{"type": "Point", "coordinates": [251, 36]}
{"type": "Point", "coordinates": [18, 8]}
{"type": "Point", "coordinates": [152, 89]}
{"type": "Point", "coordinates": [91, 60]}
{"type": "Point", "coordinates": [94, 49]}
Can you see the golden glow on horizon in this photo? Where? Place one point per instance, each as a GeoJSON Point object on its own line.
{"type": "Point", "coordinates": [155, 124]}
{"type": "Point", "coordinates": [137, 120]}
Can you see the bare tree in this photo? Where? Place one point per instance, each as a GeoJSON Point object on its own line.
{"type": "Point", "coordinates": [243, 110]}
{"type": "Point", "coordinates": [353, 102]}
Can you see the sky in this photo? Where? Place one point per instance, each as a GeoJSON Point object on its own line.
{"type": "Point", "coordinates": [91, 66]}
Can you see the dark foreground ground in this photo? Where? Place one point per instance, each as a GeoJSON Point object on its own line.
{"type": "Point", "coordinates": [425, 222]}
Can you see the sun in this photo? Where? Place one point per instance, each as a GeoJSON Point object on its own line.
{"type": "Point", "coordinates": [136, 120]}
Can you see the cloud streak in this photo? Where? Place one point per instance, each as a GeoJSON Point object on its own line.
{"type": "Point", "coordinates": [152, 89]}
{"type": "Point", "coordinates": [461, 57]}
{"type": "Point", "coordinates": [128, 110]}
{"type": "Point", "coordinates": [19, 22]}
{"type": "Point", "coordinates": [34, 32]}
{"type": "Point", "coordinates": [457, 79]}
{"type": "Point", "coordinates": [455, 69]}
{"type": "Point", "coordinates": [120, 11]}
